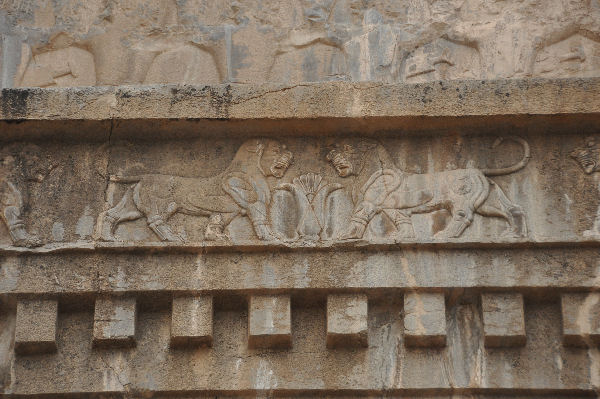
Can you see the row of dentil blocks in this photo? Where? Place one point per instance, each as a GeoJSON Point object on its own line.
{"type": "Point", "coordinates": [269, 322]}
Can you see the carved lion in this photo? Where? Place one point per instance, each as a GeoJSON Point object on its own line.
{"type": "Point", "coordinates": [242, 189]}
{"type": "Point", "coordinates": [587, 157]}
{"type": "Point", "coordinates": [19, 165]}
{"type": "Point", "coordinates": [358, 161]}
{"type": "Point", "coordinates": [398, 194]}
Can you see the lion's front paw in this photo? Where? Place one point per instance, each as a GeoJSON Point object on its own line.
{"type": "Point", "coordinates": [265, 233]}
{"type": "Point", "coordinates": [215, 236]}
{"type": "Point", "coordinates": [30, 241]}
{"type": "Point", "coordinates": [354, 232]}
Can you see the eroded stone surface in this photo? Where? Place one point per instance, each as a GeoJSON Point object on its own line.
{"type": "Point", "coordinates": [424, 319]}
{"type": "Point", "coordinates": [192, 321]}
{"type": "Point", "coordinates": [269, 321]}
{"type": "Point", "coordinates": [347, 320]}
{"type": "Point", "coordinates": [581, 318]}
{"type": "Point", "coordinates": [503, 319]}
{"type": "Point", "coordinates": [35, 331]}
{"type": "Point", "coordinates": [114, 321]}
{"type": "Point", "coordinates": [67, 43]}
{"type": "Point", "coordinates": [291, 192]}
{"type": "Point", "coordinates": [335, 180]}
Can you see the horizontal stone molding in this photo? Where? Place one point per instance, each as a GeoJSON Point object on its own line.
{"type": "Point", "coordinates": [555, 269]}
{"type": "Point", "coordinates": [306, 100]}
{"type": "Point", "coordinates": [254, 246]}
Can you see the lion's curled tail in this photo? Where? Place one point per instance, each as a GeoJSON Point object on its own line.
{"type": "Point", "coordinates": [517, 166]}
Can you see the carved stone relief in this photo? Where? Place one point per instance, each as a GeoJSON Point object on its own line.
{"type": "Point", "coordinates": [441, 60]}
{"type": "Point", "coordinates": [588, 157]}
{"type": "Point", "coordinates": [21, 165]}
{"type": "Point", "coordinates": [164, 41]}
{"type": "Point", "coordinates": [71, 66]}
{"type": "Point", "coordinates": [398, 194]}
{"type": "Point", "coordinates": [575, 56]}
{"type": "Point", "coordinates": [298, 192]}
{"type": "Point", "coordinates": [311, 194]}
{"type": "Point", "coordinates": [242, 189]}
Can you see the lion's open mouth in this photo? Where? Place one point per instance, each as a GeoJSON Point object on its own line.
{"type": "Point", "coordinates": [282, 164]}
{"type": "Point", "coordinates": [341, 165]}
{"type": "Point", "coordinates": [585, 160]}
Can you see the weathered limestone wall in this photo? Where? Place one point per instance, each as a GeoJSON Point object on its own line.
{"type": "Point", "coordinates": [318, 253]}
{"type": "Point", "coordinates": [305, 198]}
{"type": "Point", "coordinates": [108, 42]}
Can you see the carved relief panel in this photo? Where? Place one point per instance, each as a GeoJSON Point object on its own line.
{"type": "Point", "coordinates": [202, 42]}
{"type": "Point", "coordinates": [299, 192]}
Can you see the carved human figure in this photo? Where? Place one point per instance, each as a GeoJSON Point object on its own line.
{"type": "Point", "coordinates": [69, 66]}
{"type": "Point", "coordinates": [462, 192]}
{"type": "Point", "coordinates": [313, 48]}
{"type": "Point", "coordinates": [241, 190]}
{"type": "Point", "coordinates": [19, 164]}
{"type": "Point", "coordinates": [588, 158]}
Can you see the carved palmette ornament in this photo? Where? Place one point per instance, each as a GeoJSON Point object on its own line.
{"type": "Point", "coordinates": [311, 195]}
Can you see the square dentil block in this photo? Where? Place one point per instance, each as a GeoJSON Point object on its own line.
{"type": "Point", "coordinates": [503, 319]}
{"type": "Point", "coordinates": [347, 320]}
{"type": "Point", "coordinates": [581, 319]}
{"type": "Point", "coordinates": [192, 321]}
{"type": "Point", "coordinates": [35, 331]}
{"type": "Point", "coordinates": [270, 321]}
{"type": "Point", "coordinates": [424, 319]}
{"type": "Point", "coordinates": [114, 322]}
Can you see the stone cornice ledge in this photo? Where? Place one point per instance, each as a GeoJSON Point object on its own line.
{"type": "Point", "coordinates": [305, 101]}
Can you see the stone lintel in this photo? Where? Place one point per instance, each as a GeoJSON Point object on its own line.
{"type": "Point", "coordinates": [192, 321]}
{"type": "Point", "coordinates": [269, 321]}
{"type": "Point", "coordinates": [424, 319]}
{"type": "Point", "coordinates": [581, 319]}
{"type": "Point", "coordinates": [306, 101]}
{"type": "Point", "coordinates": [36, 325]}
{"type": "Point", "coordinates": [347, 320]}
{"type": "Point", "coordinates": [503, 319]}
{"type": "Point", "coordinates": [114, 321]}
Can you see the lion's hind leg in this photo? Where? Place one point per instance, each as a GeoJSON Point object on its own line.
{"type": "Point", "coordinates": [462, 217]}
{"type": "Point", "coordinates": [215, 229]}
{"type": "Point", "coordinates": [498, 205]}
{"type": "Point", "coordinates": [108, 220]}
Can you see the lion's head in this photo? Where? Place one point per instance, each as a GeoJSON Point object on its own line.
{"type": "Point", "coordinates": [340, 159]}
{"type": "Point", "coordinates": [270, 157]}
{"type": "Point", "coordinates": [351, 159]}
{"type": "Point", "coordinates": [25, 161]}
{"type": "Point", "coordinates": [587, 157]}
